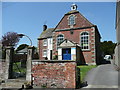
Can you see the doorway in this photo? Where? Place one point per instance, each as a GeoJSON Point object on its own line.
{"type": "Point", "coordinates": [66, 54]}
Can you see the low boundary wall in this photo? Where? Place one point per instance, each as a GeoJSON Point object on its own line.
{"type": "Point", "coordinates": [55, 74]}
{"type": "Point", "coordinates": [2, 69]}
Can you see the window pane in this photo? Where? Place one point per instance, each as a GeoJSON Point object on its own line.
{"type": "Point", "coordinates": [59, 39]}
{"type": "Point", "coordinates": [44, 53]}
{"type": "Point", "coordinates": [45, 42]}
{"type": "Point", "coordinates": [72, 20]}
{"type": "Point", "coordinates": [84, 40]}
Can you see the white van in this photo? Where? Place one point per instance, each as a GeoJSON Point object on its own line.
{"type": "Point", "coordinates": [107, 57]}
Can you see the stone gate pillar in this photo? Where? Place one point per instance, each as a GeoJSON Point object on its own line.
{"type": "Point", "coordinates": [9, 62]}
{"type": "Point", "coordinates": [29, 63]}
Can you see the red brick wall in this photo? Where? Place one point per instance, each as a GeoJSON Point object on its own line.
{"type": "Point", "coordinates": [80, 21]}
{"type": "Point", "coordinates": [54, 74]}
{"type": "Point", "coordinates": [76, 38]}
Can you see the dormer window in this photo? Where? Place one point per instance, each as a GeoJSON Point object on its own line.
{"type": "Point", "coordinates": [71, 20]}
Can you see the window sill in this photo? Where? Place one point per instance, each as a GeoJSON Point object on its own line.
{"type": "Point", "coordinates": [45, 45]}
{"type": "Point", "coordinates": [44, 56]}
{"type": "Point", "coordinates": [86, 50]}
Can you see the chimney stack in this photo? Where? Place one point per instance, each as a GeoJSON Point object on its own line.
{"type": "Point", "coordinates": [44, 27]}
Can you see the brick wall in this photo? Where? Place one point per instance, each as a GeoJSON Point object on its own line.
{"type": "Point", "coordinates": [80, 21]}
{"type": "Point", "coordinates": [89, 55]}
{"type": "Point", "coordinates": [54, 74]}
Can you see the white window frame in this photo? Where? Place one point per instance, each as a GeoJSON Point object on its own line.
{"type": "Point", "coordinates": [83, 39]}
{"type": "Point", "coordinates": [44, 53]}
{"type": "Point", "coordinates": [45, 42]}
{"type": "Point", "coordinates": [60, 38]}
{"type": "Point", "coordinates": [69, 20]}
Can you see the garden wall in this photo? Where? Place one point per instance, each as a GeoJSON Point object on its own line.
{"type": "Point", "coordinates": [2, 69]}
{"type": "Point", "coordinates": [55, 74]}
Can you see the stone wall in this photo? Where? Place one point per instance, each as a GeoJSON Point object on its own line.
{"type": "Point", "coordinates": [117, 49]}
{"type": "Point", "coordinates": [55, 74]}
{"type": "Point", "coordinates": [2, 69]}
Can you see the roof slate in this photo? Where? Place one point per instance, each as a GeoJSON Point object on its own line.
{"type": "Point", "coordinates": [23, 50]}
{"type": "Point", "coordinates": [47, 33]}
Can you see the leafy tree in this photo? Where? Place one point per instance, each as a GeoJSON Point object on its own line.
{"type": "Point", "coordinates": [10, 39]}
{"type": "Point", "coordinates": [107, 47]}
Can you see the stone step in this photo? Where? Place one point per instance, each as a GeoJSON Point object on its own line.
{"type": "Point", "coordinates": [13, 83]}
{"type": "Point", "coordinates": [16, 80]}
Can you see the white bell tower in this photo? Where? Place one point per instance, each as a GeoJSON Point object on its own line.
{"type": "Point", "coordinates": [73, 7]}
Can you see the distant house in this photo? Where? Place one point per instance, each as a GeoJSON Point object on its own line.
{"type": "Point", "coordinates": [23, 51]}
{"type": "Point", "coordinates": [117, 49]}
{"type": "Point", "coordinates": [74, 38]}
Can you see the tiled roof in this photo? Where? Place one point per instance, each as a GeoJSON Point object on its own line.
{"type": "Point", "coordinates": [47, 33]}
{"type": "Point", "coordinates": [23, 50]}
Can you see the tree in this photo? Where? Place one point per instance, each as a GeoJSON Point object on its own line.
{"type": "Point", "coordinates": [10, 39]}
{"type": "Point", "coordinates": [107, 47]}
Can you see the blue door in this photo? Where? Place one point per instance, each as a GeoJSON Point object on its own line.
{"type": "Point", "coordinates": [66, 54]}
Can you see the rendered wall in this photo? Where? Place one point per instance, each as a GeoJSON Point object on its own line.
{"type": "Point", "coordinates": [117, 49]}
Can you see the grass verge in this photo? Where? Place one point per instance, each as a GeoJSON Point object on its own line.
{"type": "Point", "coordinates": [84, 70]}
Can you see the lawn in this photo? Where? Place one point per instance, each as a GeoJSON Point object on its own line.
{"type": "Point", "coordinates": [17, 67]}
{"type": "Point", "coordinates": [83, 71]}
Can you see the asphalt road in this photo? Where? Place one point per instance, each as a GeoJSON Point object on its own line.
{"type": "Point", "coordinates": [104, 76]}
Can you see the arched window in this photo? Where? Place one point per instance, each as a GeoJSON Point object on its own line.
{"type": "Point", "coordinates": [60, 38]}
{"type": "Point", "coordinates": [71, 20]}
{"type": "Point", "coordinates": [85, 41]}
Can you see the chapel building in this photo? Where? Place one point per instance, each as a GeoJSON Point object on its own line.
{"type": "Point", "coordinates": [74, 38]}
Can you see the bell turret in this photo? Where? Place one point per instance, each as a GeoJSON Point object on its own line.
{"type": "Point", "coordinates": [73, 7]}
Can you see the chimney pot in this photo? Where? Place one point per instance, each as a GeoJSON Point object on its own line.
{"type": "Point", "coordinates": [44, 27]}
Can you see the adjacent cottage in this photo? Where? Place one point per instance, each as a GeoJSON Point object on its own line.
{"type": "Point", "coordinates": [74, 38]}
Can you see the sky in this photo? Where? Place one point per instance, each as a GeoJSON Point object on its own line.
{"type": "Point", "coordinates": [29, 17]}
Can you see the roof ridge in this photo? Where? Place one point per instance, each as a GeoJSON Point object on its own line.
{"type": "Point", "coordinates": [47, 33]}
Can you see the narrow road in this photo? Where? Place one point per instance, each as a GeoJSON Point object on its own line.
{"type": "Point", "coordinates": [104, 76]}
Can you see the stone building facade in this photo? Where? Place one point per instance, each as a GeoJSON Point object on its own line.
{"type": "Point", "coordinates": [72, 27]}
{"type": "Point", "coordinates": [117, 49]}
